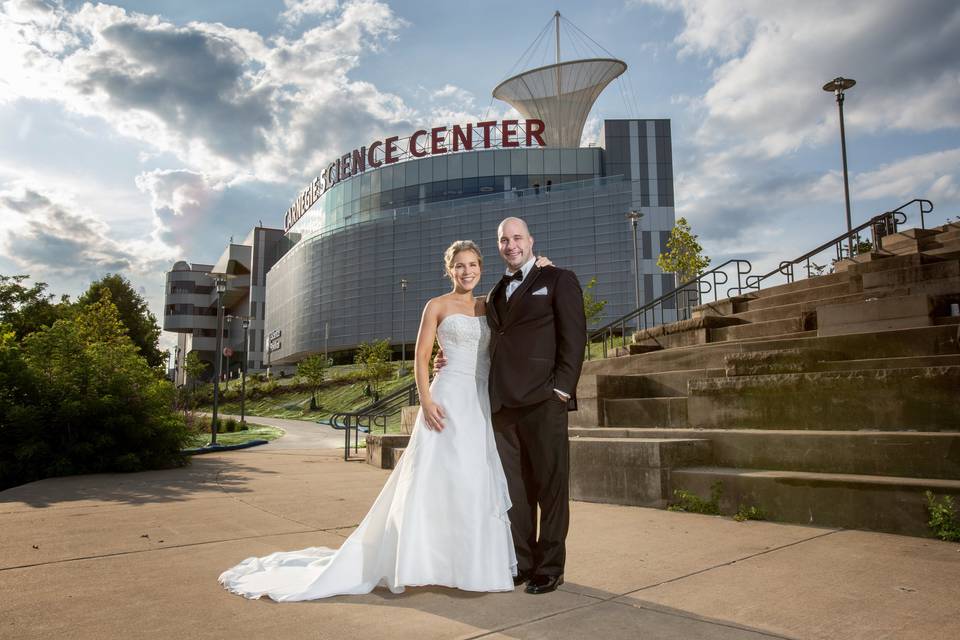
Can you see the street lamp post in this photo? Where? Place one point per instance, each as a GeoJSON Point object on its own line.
{"type": "Point", "coordinates": [402, 371]}
{"type": "Point", "coordinates": [837, 86]}
{"type": "Point", "coordinates": [221, 284]}
{"type": "Point", "coordinates": [634, 218]}
{"type": "Point", "coordinates": [245, 320]}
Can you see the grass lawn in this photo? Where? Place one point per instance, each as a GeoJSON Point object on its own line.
{"type": "Point", "coordinates": [253, 432]}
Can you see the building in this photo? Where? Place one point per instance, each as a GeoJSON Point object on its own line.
{"type": "Point", "coordinates": [190, 304]}
{"type": "Point", "coordinates": [362, 245]}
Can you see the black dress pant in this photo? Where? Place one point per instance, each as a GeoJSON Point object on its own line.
{"type": "Point", "coordinates": [535, 451]}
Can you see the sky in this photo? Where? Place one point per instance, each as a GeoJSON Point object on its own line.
{"type": "Point", "coordinates": [137, 133]}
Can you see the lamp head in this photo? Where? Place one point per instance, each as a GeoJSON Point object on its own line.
{"type": "Point", "coordinates": [838, 85]}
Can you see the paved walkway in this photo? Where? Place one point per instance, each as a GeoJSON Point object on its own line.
{"type": "Point", "coordinates": [137, 556]}
{"type": "Point", "coordinates": [300, 434]}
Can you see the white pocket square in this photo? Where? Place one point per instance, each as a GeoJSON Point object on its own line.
{"type": "Point", "coordinates": [542, 291]}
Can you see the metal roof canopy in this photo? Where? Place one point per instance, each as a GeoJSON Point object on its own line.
{"type": "Point", "coordinates": [560, 94]}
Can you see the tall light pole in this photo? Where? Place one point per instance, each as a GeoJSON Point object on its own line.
{"type": "Point", "coordinates": [221, 284]}
{"type": "Point", "coordinates": [838, 85]}
{"type": "Point", "coordinates": [634, 218]}
{"type": "Point", "coordinates": [243, 366]}
{"type": "Point", "coordinates": [402, 371]}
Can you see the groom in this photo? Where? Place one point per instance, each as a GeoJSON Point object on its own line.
{"type": "Point", "coordinates": [538, 333]}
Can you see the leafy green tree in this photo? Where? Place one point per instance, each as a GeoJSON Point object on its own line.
{"type": "Point", "coordinates": [79, 398]}
{"type": "Point", "coordinates": [26, 309]}
{"type": "Point", "coordinates": [135, 315]}
{"type": "Point", "coordinates": [374, 361]}
{"type": "Point", "coordinates": [592, 308]}
{"type": "Point", "coordinates": [684, 255]}
{"type": "Point", "coordinates": [314, 370]}
{"type": "Point", "coordinates": [194, 367]}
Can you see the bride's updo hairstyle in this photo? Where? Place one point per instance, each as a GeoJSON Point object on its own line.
{"type": "Point", "coordinates": [457, 247]}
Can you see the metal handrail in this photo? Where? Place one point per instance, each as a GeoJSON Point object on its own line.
{"type": "Point", "coordinates": [880, 225]}
{"type": "Point", "coordinates": [691, 292]}
{"type": "Point", "coordinates": [372, 416]}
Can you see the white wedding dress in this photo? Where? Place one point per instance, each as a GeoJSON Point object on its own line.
{"type": "Point", "coordinates": [441, 517]}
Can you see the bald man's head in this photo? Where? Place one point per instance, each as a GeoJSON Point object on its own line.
{"type": "Point", "coordinates": [514, 242]}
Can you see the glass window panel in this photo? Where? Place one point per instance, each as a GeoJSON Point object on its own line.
{"type": "Point", "coordinates": [568, 161]}
{"type": "Point", "coordinates": [585, 160]}
{"type": "Point", "coordinates": [426, 170]}
{"type": "Point", "coordinates": [412, 171]}
{"type": "Point", "coordinates": [551, 160]}
{"type": "Point", "coordinates": [454, 166]}
{"type": "Point", "coordinates": [501, 161]}
{"type": "Point", "coordinates": [386, 178]}
{"type": "Point", "coordinates": [439, 167]}
{"type": "Point", "coordinates": [518, 162]}
{"type": "Point", "coordinates": [486, 164]}
{"type": "Point", "coordinates": [469, 164]}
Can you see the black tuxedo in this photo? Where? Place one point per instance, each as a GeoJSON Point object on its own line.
{"type": "Point", "coordinates": [536, 346]}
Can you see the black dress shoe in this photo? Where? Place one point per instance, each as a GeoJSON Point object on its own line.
{"type": "Point", "coordinates": [521, 577]}
{"type": "Point", "coordinates": [544, 584]}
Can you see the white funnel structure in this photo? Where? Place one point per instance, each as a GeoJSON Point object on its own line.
{"type": "Point", "coordinates": [560, 94]}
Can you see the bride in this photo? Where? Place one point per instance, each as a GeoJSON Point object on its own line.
{"type": "Point", "coordinates": [441, 517]}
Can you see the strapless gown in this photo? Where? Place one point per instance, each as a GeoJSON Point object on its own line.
{"type": "Point", "coordinates": [441, 517]}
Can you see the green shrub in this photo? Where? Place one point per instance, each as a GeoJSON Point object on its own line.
{"type": "Point", "coordinates": [943, 518]}
{"type": "Point", "coordinates": [749, 513]}
{"type": "Point", "coordinates": [692, 503]}
{"type": "Point", "coordinates": [77, 397]}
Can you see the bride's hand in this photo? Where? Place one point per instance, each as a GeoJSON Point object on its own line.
{"type": "Point", "coordinates": [440, 361]}
{"type": "Point", "coordinates": [433, 415]}
{"type": "Point", "coordinates": [544, 261]}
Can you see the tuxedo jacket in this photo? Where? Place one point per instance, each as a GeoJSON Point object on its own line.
{"type": "Point", "coordinates": [537, 339]}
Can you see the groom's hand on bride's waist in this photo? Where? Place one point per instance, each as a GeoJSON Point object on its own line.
{"type": "Point", "coordinates": [440, 361]}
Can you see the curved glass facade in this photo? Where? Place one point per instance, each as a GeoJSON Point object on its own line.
{"type": "Point", "coordinates": [349, 278]}
{"type": "Point", "coordinates": [372, 194]}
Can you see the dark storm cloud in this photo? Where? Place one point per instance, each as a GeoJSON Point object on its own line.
{"type": "Point", "coordinates": [193, 81]}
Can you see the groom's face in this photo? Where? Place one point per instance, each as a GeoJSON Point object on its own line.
{"type": "Point", "coordinates": [516, 245]}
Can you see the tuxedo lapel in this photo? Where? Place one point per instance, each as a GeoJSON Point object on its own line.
{"type": "Point", "coordinates": [491, 303]}
{"type": "Point", "coordinates": [516, 298]}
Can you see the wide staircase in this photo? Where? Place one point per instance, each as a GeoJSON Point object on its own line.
{"type": "Point", "coordinates": [833, 400]}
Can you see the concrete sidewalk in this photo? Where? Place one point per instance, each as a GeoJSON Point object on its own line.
{"type": "Point", "coordinates": [138, 555]}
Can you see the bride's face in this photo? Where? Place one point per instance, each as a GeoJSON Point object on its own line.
{"type": "Point", "coordinates": [465, 271]}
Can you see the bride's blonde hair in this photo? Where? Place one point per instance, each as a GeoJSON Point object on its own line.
{"type": "Point", "coordinates": [457, 247]}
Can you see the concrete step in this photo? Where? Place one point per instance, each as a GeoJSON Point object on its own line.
{"type": "Point", "coordinates": [776, 299]}
{"type": "Point", "coordinates": [645, 412]}
{"type": "Point", "coordinates": [937, 340]}
{"type": "Point", "coordinates": [765, 329]}
{"type": "Point", "coordinates": [795, 310]}
{"type": "Point", "coordinates": [910, 274]}
{"type": "Point", "coordinates": [906, 362]}
{"type": "Point", "coordinates": [889, 453]}
{"type": "Point", "coordinates": [384, 450]}
{"type": "Point", "coordinates": [776, 361]}
{"type": "Point", "coordinates": [879, 503]}
{"type": "Point", "coordinates": [921, 398]}
{"type": "Point", "coordinates": [800, 284]}
{"type": "Point", "coordinates": [630, 471]}
{"type": "Point", "coordinates": [875, 314]}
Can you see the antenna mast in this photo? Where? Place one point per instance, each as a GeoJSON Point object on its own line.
{"type": "Point", "coordinates": [556, 16]}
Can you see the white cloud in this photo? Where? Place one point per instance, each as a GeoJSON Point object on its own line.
{"type": "Point", "coordinates": [220, 98]}
{"type": "Point", "coordinates": [770, 59]}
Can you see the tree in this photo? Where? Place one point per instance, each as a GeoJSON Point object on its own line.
{"type": "Point", "coordinates": [374, 361]}
{"type": "Point", "coordinates": [684, 255]}
{"type": "Point", "coordinates": [83, 400]}
{"type": "Point", "coordinates": [27, 309]}
{"type": "Point", "coordinates": [194, 367]}
{"type": "Point", "coordinates": [592, 309]}
{"type": "Point", "coordinates": [140, 323]}
{"type": "Point", "coordinates": [314, 369]}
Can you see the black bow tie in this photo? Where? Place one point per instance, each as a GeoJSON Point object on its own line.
{"type": "Point", "coordinates": [518, 276]}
